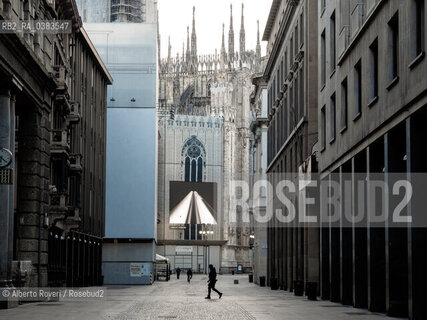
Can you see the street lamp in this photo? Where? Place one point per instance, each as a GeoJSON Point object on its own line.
{"type": "Point", "coordinates": [204, 233]}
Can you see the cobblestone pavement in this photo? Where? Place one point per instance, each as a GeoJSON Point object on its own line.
{"type": "Point", "coordinates": [179, 300]}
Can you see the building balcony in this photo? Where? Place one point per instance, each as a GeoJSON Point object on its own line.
{"type": "Point", "coordinates": [73, 219]}
{"type": "Point", "coordinates": [284, 87]}
{"type": "Point", "coordinates": [75, 112]}
{"type": "Point", "coordinates": [64, 81]}
{"type": "Point", "coordinates": [60, 144]}
{"type": "Point", "coordinates": [61, 214]}
{"type": "Point", "coordinates": [300, 55]}
{"type": "Point", "coordinates": [76, 163]}
{"type": "Point", "coordinates": [290, 76]}
{"type": "Point", "coordinates": [58, 206]}
{"type": "Point", "coordinates": [58, 200]}
{"type": "Point", "coordinates": [294, 67]}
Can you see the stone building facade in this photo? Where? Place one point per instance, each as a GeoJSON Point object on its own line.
{"type": "Point", "coordinates": [258, 172]}
{"type": "Point", "coordinates": [291, 72]}
{"type": "Point", "coordinates": [52, 108]}
{"type": "Point", "coordinates": [372, 110]}
{"type": "Point", "coordinates": [204, 99]}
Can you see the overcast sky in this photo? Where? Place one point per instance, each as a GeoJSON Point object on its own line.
{"type": "Point", "coordinates": [176, 15]}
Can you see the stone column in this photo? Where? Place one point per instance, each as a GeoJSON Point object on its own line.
{"type": "Point", "coordinates": [4, 189]}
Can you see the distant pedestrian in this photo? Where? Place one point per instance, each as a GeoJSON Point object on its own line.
{"type": "Point", "coordinates": [189, 275]}
{"type": "Point", "coordinates": [211, 282]}
{"type": "Point", "coordinates": [178, 272]}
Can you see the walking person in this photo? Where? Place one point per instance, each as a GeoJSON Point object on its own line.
{"type": "Point", "coordinates": [189, 275]}
{"type": "Point", "coordinates": [211, 282]}
{"type": "Point", "coordinates": [178, 272]}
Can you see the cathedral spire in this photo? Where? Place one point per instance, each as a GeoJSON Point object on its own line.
{"type": "Point", "coordinates": [194, 19]}
{"type": "Point", "coordinates": [242, 36]}
{"type": "Point", "coordinates": [258, 50]}
{"type": "Point", "coordinates": [169, 49]}
{"type": "Point", "coordinates": [257, 36]}
{"type": "Point", "coordinates": [158, 39]}
{"type": "Point", "coordinates": [176, 91]}
{"type": "Point", "coordinates": [194, 41]}
{"type": "Point", "coordinates": [231, 37]}
{"type": "Point", "coordinates": [188, 55]}
{"type": "Point", "coordinates": [223, 38]}
{"type": "Point", "coordinates": [183, 50]}
{"type": "Point", "coordinates": [223, 54]}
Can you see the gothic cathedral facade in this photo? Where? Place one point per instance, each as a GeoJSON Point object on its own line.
{"type": "Point", "coordinates": [203, 125]}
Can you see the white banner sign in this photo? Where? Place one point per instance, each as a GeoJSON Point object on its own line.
{"type": "Point", "coordinates": [184, 249]}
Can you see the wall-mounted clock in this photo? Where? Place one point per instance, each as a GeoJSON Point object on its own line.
{"type": "Point", "coordinates": [5, 157]}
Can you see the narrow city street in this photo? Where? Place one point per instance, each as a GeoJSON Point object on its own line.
{"type": "Point", "coordinates": [179, 300]}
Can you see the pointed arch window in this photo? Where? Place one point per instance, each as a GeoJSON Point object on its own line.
{"type": "Point", "coordinates": [193, 170]}
{"type": "Point", "coordinates": [187, 169]}
{"type": "Point", "coordinates": [194, 155]}
{"type": "Point", "coordinates": [199, 170]}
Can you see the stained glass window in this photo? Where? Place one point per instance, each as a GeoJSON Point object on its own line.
{"type": "Point", "coordinates": [194, 154]}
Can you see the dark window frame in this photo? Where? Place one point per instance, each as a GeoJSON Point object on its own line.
{"type": "Point", "coordinates": [358, 93]}
{"type": "Point", "coordinates": [323, 59]}
{"type": "Point", "coordinates": [323, 128]}
{"type": "Point", "coordinates": [332, 119]}
{"type": "Point", "coordinates": [333, 43]}
{"type": "Point", "coordinates": [393, 26]}
{"type": "Point", "coordinates": [302, 92]}
{"type": "Point", "coordinates": [419, 27]}
{"type": "Point", "coordinates": [374, 72]}
{"type": "Point", "coordinates": [344, 104]}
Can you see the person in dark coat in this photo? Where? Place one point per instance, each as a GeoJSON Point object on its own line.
{"type": "Point", "coordinates": [211, 282]}
{"type": "Point", "coordinates": [189, 275]}
{"type": "Point", "coordinates": [178, 272]}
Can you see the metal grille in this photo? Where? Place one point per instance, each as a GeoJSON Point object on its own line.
{"type": "Point", "coordinates": [6, 176]}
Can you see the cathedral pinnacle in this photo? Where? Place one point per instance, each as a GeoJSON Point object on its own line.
{"type": "Point", "coordinates": [169, 49]}
{"type": "Point", "coordinates": [194, 40]}
{"type": "Point", "coordinates": [194, 19]}
{"type": "Point", "coordinates": [183, 50]}
{"type": "Point", "coordinates": [187, 55]}
{"type": "Point", "coordinates": [158, 38]}
{"type": "Point", "coordinates": [231, 37]}
{"type": "Point", "coordinates": [242, 35]}
{"type": "Point", "coordinates": [258, 49]}
{"type": "Point", "coordinates": [223, 53]}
